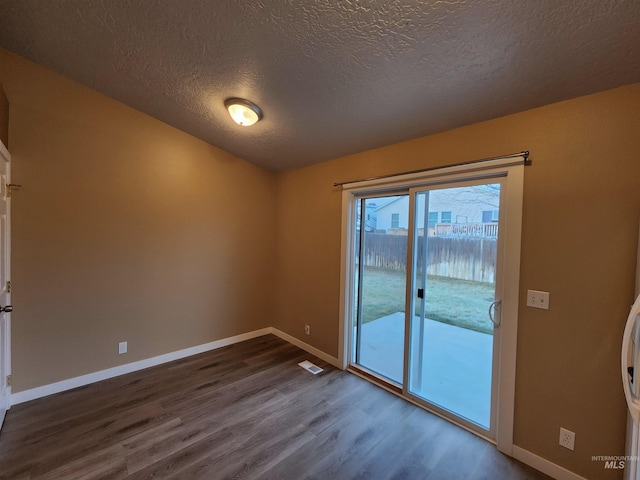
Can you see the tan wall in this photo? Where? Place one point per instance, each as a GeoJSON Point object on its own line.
{"type": "Point", "coordinates": [580, 234]}
{"type": "Point", "coordinates": [125, 229]}
{"type": "Point", "coordinates": [4, 118]}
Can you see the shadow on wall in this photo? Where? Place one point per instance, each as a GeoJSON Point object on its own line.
{"type": "Point", "coordinates": [4, 117]}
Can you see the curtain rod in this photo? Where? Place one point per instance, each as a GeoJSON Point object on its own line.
{"type": "Point", "coordinates": [524, 155]}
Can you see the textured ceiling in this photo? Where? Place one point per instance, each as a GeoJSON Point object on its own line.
{"type": "Point", "coordinates": [332, 77]}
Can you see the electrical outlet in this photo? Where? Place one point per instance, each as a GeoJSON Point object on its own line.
{"type": "Point", "coordinates": [567, 438]}
{"type": "Point", "coordinates": [307, 330]}
{"type": "Point", "coordinates": [538, 299]}
{"type": "Point", "coordinates": [122, 348]}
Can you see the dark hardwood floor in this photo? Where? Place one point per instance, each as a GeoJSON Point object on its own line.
{"type": "Point", "coordinates": [243, 411]}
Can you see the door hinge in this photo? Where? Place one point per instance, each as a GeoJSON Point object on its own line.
{"type": "Point", "coordinates": [9, 286]}
{"type": "Point", "coordinates": [8, 380]}
{"type": "Point", "coordinates": [11, 187]}
{"type": "Point", "coordinates": [421, 293]}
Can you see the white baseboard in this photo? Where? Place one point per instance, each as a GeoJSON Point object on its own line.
{"type": "Point", "coordinates": [305, 346]}
{"type": "Point", "coordinates": [531, 459]}
{"type": "Point", "coordinates": [57, 387]}
{"type": "Point", "coordinates": [544, 465]}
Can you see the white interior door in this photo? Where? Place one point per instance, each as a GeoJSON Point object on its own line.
{"type": "Point", "coordinates": [5, 290]}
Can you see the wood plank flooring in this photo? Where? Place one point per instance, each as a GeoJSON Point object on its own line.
{"type": "Point", "coordinates": [243, 411]}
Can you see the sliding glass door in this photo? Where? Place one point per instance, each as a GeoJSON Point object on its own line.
{"type": "Point", "coordinates": [427, 287]}
{"type": "Point", "coordinates": [453, 262]}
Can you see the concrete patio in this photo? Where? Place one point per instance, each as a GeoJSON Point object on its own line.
{"type": "Point", "coordinates": [456, 373]}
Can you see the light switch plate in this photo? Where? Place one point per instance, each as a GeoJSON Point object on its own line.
{"type": "Point", "coordinates": [538, 299]}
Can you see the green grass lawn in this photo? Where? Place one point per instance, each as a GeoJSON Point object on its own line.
{"type": "Point", "coordinates": [456, 302]}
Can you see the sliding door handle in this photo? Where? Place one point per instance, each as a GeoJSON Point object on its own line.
{"type": "Point", "coordinates": [496, 320]}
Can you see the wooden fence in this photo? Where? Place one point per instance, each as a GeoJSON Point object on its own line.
{"type": "Point", "coordinates": [465, 258]}
{"type": "Point", "coordinates": [466, 229]}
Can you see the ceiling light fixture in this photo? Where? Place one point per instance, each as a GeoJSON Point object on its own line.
{"type": "Point", "coordinates": [242, 111]}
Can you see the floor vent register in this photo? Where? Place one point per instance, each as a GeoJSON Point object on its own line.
{"type": "Point", "coordinates": [307, 365]}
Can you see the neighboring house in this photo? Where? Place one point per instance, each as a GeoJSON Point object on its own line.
{"type": "Point", "coordinates": [466, 206]}
{"type": "Point", "coordinates": [370, 224]}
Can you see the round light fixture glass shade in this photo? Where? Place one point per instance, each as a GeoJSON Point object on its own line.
{"type": "Point", "coordinates": [242, 111]}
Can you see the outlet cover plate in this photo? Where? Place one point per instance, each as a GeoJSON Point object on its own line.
{"type": "Point", "coordinates": [567, 438]}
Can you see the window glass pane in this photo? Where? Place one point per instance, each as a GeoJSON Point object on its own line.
{"type": "Point", "coordinates": [489, 216]}
{"type": "Point", "coordinates": [381, 296]}
{"type": "Point", "coordinates": [433, 219]}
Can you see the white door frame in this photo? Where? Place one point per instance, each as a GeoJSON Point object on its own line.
{"type": "Point", "coordinates": [5, 393]}
{"type": "Point", "coordinates": [513, 171]}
